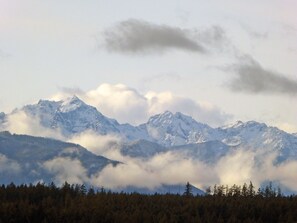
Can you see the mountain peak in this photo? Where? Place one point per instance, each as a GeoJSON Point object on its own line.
{"type": "Point", "coordinates": [237, 124]}
{"type": "Point", "coordinates": [170, 116]}
{"type": "Point", "coordinates": [71, 104]}
{"type": "Point", "coordinates": [240, 124]}
{"type": "Point", "coordinates": [176, 129]}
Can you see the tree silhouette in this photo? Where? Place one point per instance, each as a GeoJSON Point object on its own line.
{"type": "Point", "coordinates": [188, 190]}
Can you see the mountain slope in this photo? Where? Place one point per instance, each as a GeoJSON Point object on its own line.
{"type": "Point", "coordinates": [27, 159]}
{"type": "Point", "coordinates": [141, 148]}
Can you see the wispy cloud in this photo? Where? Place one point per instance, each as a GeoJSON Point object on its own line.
{"type": "Point", "coordinates": [137, 36]}
{"type": "Point", "coordinates": [251, 77]}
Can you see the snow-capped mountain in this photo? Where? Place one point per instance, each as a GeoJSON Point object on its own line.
{"type": "Point", "coordinates": [30, 159]}
{"type": "Point", "coordinates": [73, 116]}
{"type": "Point", "coordinates": [27, 159]}
{"type": "Point", "coordinates": [170, 129]}
{"type": "Point", "coordinates": [259, 136]}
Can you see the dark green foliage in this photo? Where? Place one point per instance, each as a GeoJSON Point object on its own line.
{"type": "Point", "coordinates": [76, 203]}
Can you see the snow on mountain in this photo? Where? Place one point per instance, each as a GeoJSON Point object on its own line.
{"type": "Point", "coordinates": [27, 159]}
{"type": "Point", "coordinates": [170, 129]}
{"type": "Point", "coordinates": [259, 136]}
{"type": "Point", "coordinates": [73, 116]}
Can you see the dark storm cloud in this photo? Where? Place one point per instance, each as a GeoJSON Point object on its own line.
{"type": "Point", "coordinates": [137, 36]}
{"type": "Point", "coordinates": [252, 77]}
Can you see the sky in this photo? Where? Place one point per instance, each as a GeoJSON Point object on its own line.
{"type": "Point", "coordinates": [218, 61]}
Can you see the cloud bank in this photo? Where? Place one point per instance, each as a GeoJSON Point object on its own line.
{"type": "Point", "coordinates": [66, 169]}
{"type": "Point", "coordinates": [174, 167]}
{"type": "Point", "coordinates": [128, 105]}
{"type": "Point", "coordinates": [251, 77]}
{"type": "Point", "coordinates": [19, 122]}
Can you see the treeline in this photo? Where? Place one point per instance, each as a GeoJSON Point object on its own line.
{"type": "Point", "coordinates": [244, 191]}
{"type": "Point", "coordinates": [76, 203]}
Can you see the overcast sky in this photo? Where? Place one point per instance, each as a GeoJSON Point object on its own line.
{"type": "Point", "coordinates": [219, 61]}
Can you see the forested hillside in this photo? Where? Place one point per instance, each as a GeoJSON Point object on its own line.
{"type": "Point", "coordinates": [76, 203]}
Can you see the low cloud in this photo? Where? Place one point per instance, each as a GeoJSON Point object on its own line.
{"type": "Point", "coordinates": [174, 167]}
{"type": "Point", "coordinates": [166, 168]}
{"type": "Point", "coordinates": [137, 36]}
{"type": "Point", "coordinates": [97, 144]}
{"type": "Point", "coordinates": [127, 105]}
{"type": "Point", "coordinates": [251, 77]}
{"type": "Point", "coordinates": [8, 165]}
{"type": "Point", "coordinates": [19, 122]}
{"type": "Point", "coordinates": [66, 169]}
{"type": "Point", "coordinates": [236, 168]}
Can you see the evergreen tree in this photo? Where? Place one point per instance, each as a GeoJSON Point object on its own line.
{"type": "Point", "coordinates": [188, 190]}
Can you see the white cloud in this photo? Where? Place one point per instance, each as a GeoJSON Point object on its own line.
{"type": "Point", "coordinates": [119, 101]}
{"type": "Point", "coordinates": [240, 166]}
{"type": "Point", "coordinates": [237, 168]}
{"type": "Point", "coordinates": [128, 105]}
{"type": "Point", "coordinates": [20, 123]}
{"type": "Point", "coordinates": [66, 169]}
{"type": "Point", "coordinates": [287, 127]}
{"type": "Point", "coordinates": [201, 111]}
{"type": "Point", "coordinates": [97, 144]}
{"type": "Point", "coordinates": [166, 168]}
{"type": "Point", "coordinates": [8, 165]}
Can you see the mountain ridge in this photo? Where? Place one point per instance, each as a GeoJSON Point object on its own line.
{"type": "Point", "coordinates": [175, 133]}
{"type": "Point", "coordinates": [73, 116]}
